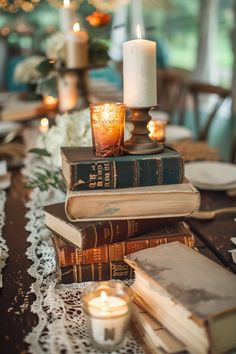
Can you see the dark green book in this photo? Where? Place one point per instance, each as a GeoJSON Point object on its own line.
{"type": "Point", "coordinates": [84, 171]}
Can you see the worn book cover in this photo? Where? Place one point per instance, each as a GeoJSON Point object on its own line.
{"type": "Point", "coordinates": [68, 254]}
{"type": "Point", "coordinates": [84, 171]}
{"type": "Point", "coordinates": [87, 235]}
{"type": "Point", "coordinates": [191, 295]}
{"type": "Point", "coordinates": [135, 203]}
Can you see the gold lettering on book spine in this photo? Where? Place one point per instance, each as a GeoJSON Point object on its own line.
{"type": "Point", "coordinates": [114, 174]}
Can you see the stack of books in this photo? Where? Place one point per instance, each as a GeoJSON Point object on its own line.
{"type": "Point", "coordinates": [116, 206]}
{"type": "Point", "coordinates": [187, 293]}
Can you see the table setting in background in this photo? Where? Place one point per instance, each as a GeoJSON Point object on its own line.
{"type": "Point", "coordinates": [120, 228]}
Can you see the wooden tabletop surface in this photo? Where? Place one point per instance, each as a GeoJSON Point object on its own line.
{"type": "Point", "coordinates": [213, 240]}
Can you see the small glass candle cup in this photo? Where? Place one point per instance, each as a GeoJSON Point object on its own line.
{"type": "Point", "coordinates": [107, 308]}
{"type": "Point", "coordinates": [157, 126]}
{"type": "Point", "coordinates": [107, 125]}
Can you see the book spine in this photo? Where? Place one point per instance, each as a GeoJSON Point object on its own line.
{"type": "Point", "coordinates": [95, 272]}
{"type": "Point", "coordinates": [124, 174]}
{"type": "Point", "coordinates": [70, 255]}
{"type": "Point", "coordinates": [107, 232]}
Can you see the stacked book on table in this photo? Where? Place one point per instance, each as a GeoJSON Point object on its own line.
{"type": "Point", "coordinates": [116, 206]}
{"type": "Point", "coordinates": [184, 294]}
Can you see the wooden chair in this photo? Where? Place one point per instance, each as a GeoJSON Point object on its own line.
{"type": "Point", "coordinates": [195, 90]}
{"type": "Point", "coordinates": [171, 87]}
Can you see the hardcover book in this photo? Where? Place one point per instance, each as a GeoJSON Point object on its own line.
{"type": "Point", "coordinates": [192, 296]}
{"type": "Point", "coordinates": [68, 254]}
{"type": "Point", "coordinates": [87, 235]}
{"type": "Point", "coordinates": [84, 171]}
{"type": "Point", "coordinates": [94, 272]}
{"type": "Point", "coordinates": [136, 203]}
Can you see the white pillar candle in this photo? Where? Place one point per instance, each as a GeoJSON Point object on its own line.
{"type": "Point", "coordinates": [67, 16]}
{"type": "Point", "coordinates": [77, 48]}
{"type": "Point", "coordinates": [139, 72]}
{"type": "Point", "coordinates": [68, 94]}
{"type": "Point", "coordinates": [109, 316]}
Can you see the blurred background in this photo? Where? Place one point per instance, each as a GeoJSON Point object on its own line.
{"type": "Point", "coordinates": [195, 45]}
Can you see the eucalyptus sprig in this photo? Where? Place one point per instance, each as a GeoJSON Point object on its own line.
{"type": "Point", "coordinates": [44, 179]}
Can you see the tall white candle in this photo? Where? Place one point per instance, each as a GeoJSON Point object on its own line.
{"type": "Point", "coordinates": [67, 16]}
{"type": "Point", "coordinates": [77, 48]}
{"type": "Point", "coordinates": [139, 72]}
{"type": "Point", "coordinates": [68, 94]}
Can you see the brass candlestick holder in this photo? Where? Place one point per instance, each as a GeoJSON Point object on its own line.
{"type": "Point", "coordinates": [140, 142]}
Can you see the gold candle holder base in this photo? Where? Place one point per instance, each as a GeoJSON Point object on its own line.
{"type": "Point", "coordinates": [140, 143]}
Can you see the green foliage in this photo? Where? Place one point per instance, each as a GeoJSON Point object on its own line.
{"type": "Point", "coordinates": [45, 180]}
{"type": "Point", "coordinates": [98, 51]}
{"type": "Point", "coordinates": [40, 152]}
{"type": "Point", "coordinates": [45, 67]}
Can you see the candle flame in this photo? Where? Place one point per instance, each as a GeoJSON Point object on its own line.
{"type": "Point", "coordinates": [103, 296]}
{"type": "Point", "coordinates": [76, 27]}
{"type": "Point", "coordinates": [66, 3]}
{"type": "Point", "coordinates": [44, 122]}
{"type": "Point", "coordinates": [139, 35]}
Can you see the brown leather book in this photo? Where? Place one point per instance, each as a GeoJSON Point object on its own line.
{"type": "Point", "coordinates": [86, 235]}
{"type": "Point", "coordinates": [68, 254]}
{"type": "Point", "coordinates": [95, 272]}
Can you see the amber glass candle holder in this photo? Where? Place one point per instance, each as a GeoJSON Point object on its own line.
{"type": "Point", "coordinates": [107, 125]}
{"type": "Point", "coordinates": [107, 307]}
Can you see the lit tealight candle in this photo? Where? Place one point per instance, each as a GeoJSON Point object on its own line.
{"type": "Point", "coordinates": [77, 48]}
{"type": "Point", "coordinates": [44, 125]}
{"type": "Point", "coordinates": [108, 311]}
{"type": "Point", "coordinates": [139, 71]}
{"type": "Point", "coordinates": [67, 16]}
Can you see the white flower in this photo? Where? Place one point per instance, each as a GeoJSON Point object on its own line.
{"type": "Point", "coordinates": [70, 129]}
{"type": "Point", "coordinates": [56, 46]}
{"type": "Point", "coordinates": [26, 72]}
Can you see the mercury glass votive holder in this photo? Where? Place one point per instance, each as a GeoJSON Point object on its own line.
{"type": "Point", "coordinates": [107, 307]}
{"type": "Point", "coordinates": [107, 125]}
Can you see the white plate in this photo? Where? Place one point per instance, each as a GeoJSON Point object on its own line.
{"type": "Point", "coordinates": [7, 127]}
{"type": "Point", "coordinates": [211, 175]}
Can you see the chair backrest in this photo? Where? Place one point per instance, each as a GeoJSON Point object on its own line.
{"type": "Point", "coordinates": [171, 85]}
{"type": "Point", "coordinates": [197, 89]}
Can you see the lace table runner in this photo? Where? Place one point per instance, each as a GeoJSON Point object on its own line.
{"type": "Point", "coordinates": [61, 327]}
{"type": "Point", "coordinates": [3, 246]}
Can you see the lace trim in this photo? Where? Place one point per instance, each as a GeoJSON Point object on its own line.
{"type": "Point", "coordinates": [3, 245]}
{"type": "Point", "coordinates": [61, 326]}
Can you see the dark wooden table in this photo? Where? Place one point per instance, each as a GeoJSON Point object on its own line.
{"type": "Point", "coordinates": [213, 240]}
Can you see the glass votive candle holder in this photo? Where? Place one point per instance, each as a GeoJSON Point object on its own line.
{"type": "Point", "coordinates": [107, 308]}
{"type": "Point", "coordinates": [107, 125]}
{"type": "Point", "coordinates": [157, 126]}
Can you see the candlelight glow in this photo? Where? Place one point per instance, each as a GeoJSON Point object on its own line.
{"type": "Point", "coordinates": [66, 3]}
{"type": "Point", "coordinates": [50, 102]}
{"type": "Point", "coordinates": [76, 27]}
{"type": "Point", "coordinates": [103, 296]}
{"type": "Point", "coordinates": [44, 122]}
{"type": "Point", "coordinates": [139, 35]}
{"type": "Point", "coordinates": [44, 125]}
